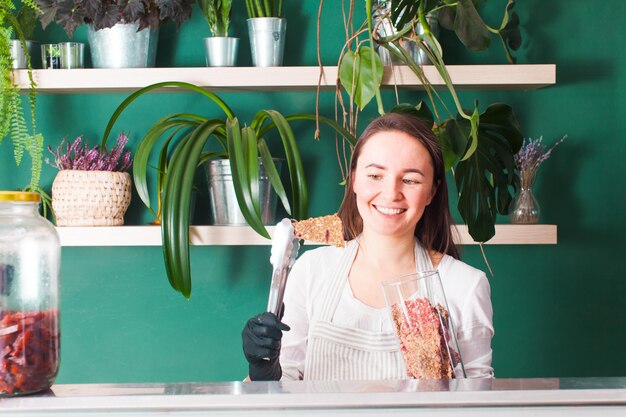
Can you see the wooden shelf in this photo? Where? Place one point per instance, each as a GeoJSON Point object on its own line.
{"type": "Point", "coordinates": [79, 81]}
{"type": "Point", "coordinates": [506, 234]}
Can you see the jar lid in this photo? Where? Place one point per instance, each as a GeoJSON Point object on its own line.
{"type": "Point", "coordinates": [19, 196]}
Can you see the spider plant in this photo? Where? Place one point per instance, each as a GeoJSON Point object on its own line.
{"type": "Point", "coordinates": [180, 140]}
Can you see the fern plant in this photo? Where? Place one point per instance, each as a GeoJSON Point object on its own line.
{"type": "Point", "coordinates": [13, 123]}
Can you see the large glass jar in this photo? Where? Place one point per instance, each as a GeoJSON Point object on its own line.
{"type": "Point", "coordinates": [29, 296]}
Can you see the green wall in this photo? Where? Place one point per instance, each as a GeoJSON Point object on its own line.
{"type": "Point", "coordinates": [558, 309]}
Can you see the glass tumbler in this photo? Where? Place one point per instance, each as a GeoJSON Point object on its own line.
{"type": "Point", "coordinates": [29, 296]}
{"type": "Point", "coordinates": [50, 56]}
{"type": "Point", "coordinates": [71, 54]}
{"type": "Point", "coordinates": [422, 321]}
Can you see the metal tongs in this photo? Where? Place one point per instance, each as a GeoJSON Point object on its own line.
{"type": "Point", "coordinates": [285, 247]}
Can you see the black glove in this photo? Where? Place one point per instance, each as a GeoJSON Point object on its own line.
{"type": "Point", "coordinates": [261, 344]}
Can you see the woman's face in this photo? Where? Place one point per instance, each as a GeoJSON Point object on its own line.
{"type": "Point", "coordinates": [393, 183]}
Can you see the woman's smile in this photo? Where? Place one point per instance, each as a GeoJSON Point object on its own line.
{"type": "Point", "coordinates": [389, 210]}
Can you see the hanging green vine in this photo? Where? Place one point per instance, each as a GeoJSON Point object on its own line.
{"type": "Point", "coordinates": [13, 124]}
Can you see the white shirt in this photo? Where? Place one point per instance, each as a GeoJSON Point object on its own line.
{"type": "Point", "coordinates": [467, 291]}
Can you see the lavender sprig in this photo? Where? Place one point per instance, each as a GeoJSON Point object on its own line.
{"type": "Point", "coordinates": [531, 155]}
{"type": "Point", "coordinates": [76, 156]}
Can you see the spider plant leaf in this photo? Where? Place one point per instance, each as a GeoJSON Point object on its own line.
{"type": "Point", "coordinates": [207, 156]}
{"type": "Point", "coordinates": [238, 170]}
{"type": "Point", "coordinates": [484, 181]}
{"type": "Point", "coordinates": [325, 120]}
{"type": "Point", "coordinates": [299, 189]}
{"type": "Point", "coordinates": [251, 156]}
{"type": "Point", "coordinates": [145, 147]}
{"type": "Point", "coordinates": [186, 86]}
{"type": "Point", "coordinates": [176, 203]}
{"type": "Point", "coordinates": [359, 76]}
{"type": "Point", "coordinates": [273, 175]}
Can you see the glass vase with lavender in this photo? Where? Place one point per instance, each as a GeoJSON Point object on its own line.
{"type": "Point", "coordinates": [532, 154]}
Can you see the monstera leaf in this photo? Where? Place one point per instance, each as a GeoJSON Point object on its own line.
{"type": "Point", "coordinates": [486, 180]}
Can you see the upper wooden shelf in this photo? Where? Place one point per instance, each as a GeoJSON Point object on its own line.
{"type": "Point", "coordinates": [506, 234]}
{"type": "Point", "coordinates": [77, 81]}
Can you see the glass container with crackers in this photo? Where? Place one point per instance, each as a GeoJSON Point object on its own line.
{"type": "Point", "coordinates": [422, 321]}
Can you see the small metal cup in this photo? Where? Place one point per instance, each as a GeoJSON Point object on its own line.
{"type": "Point", "coordinates": [72, 54]}
{"type": "Point", "coordinates": [221, 51]}
{"type": "Point", "coordinates": [50, 56]}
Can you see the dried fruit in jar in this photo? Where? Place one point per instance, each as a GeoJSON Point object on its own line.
{"type": "Point", "coordinates": [29, 351]}
{"type": "Point", "coordinates": [424, 334]}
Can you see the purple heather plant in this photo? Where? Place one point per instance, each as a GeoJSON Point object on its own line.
{"type": "Point", "coordinates": [79, 156]}
{"type": "Point", "coordinates": [530, 156]}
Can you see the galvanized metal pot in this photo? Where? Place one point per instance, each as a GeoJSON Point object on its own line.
{"type": "Point", "coordinates": [267, 40]}
{"type": "Point", "coordinates": [121, 46]}
{"type": "Point", "coordinates": [380, 14]}
{"type": "Point", "coordinates": [221, 51]}
{"type": "Point", "coordinates": [223, 201]}
{"type": "Point", "coordinates": [18, 55]}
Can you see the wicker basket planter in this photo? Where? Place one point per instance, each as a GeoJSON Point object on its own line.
{"type": "Point", "coordinates": [90, 198]}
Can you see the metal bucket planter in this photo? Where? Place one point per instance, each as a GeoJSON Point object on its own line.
{"type": "Point", "coordinates": [385, 28]}
{"type": "Point", "coordinates": [221, 51]}
{"type": "Point", "coordinates": [223, 201]}
{"type": "Point", "coordinates": [90, 198]}
{"type": "Point", "coordinates": [121, 46]}
{"type": "Point", "coordinates": [18, 55]}
{"type": "Point", "coordinates": [267, 40]}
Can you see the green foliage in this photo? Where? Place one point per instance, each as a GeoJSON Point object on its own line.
{"type": "Point", "coordinates": [180, 140]}
{"type": "Point", "coordinates": [264, 8]}
{"type": "Point", "coordinates": [479, 146]}
{"type": "Point", "coordinates": [217, 14]}
{"type": "Point", "coordinates": [14, 124]}
{"type": "Point", "coordinates": [27, 19]}
{"type": "Point", "coordinates": [104, 14]}
{"type": "Point", "coordinates": [360, 72]}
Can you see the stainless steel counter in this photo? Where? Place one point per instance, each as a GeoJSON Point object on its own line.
{"type": "Point", "coordinates": [604, 397]}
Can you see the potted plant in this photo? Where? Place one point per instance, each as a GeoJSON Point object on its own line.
{"type": "Point", "coordinates": [92, 187]}
{"type": "Point", "coordinates": [182, 151]}
{"type": "Point", "coordinates": [479, 146]}
{"type": "Point", "coordinates": [266, 29]}
{"type": "Point", "coordinates": [121, 34]}
{"type": "Point", "coordinates": [27, 20]}
{"type": "Point", "coordinates": [220, 49]}
{"type": "Point", "coordinates": [14, 123]}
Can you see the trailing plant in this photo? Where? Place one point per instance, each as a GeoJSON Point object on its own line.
{"type": "Point", "coordinates": [479, 147]}
{"type": "Point", "coordinates": [180, 141]}
{"type": "Point", "coordinates": [217, 15]}
{"type": "Point", "coordinates": [105, 14]}
{"type": "Point", "coordinates": [24, 136]}
{"type": "Point", "coordinates": [264, 8]}
{"type": "Point", "coordinates": [27, 20]}
{"type": "Point", "coordinates": [80, 156]}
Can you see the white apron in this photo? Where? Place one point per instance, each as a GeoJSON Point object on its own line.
{"type": "Point", "coordinates": [336, 352]}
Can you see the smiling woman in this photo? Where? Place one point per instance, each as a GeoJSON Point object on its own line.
{"type": "Point", "coordinates": [396, 222]}
{"type": "Point", "coordinates": [393, 183]}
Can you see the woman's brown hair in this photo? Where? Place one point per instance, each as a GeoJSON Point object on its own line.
{"type": "Point", "coordinates": [434, 228]}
